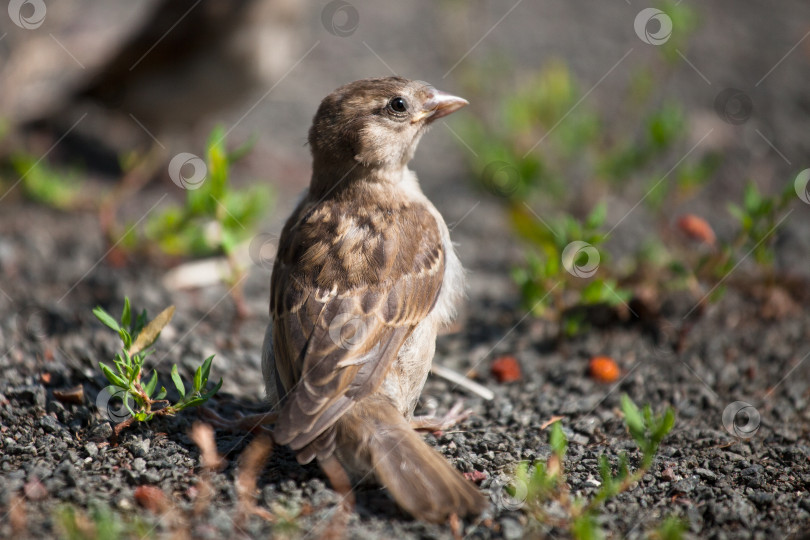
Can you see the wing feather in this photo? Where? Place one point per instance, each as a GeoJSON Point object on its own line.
{"type": "Point", "coordinates": [350, 284]}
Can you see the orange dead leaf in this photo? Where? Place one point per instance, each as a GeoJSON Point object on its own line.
{"type": "Point", "coordinates": [551, 421]}
{"type": "Point", "coordinates": [696, 228]}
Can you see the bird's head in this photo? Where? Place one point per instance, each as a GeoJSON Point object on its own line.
{"type": "Point", "coordinates": [375, 123]}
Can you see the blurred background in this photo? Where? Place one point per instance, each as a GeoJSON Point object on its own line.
{"type": "Point", "coordinates": [168, 139]}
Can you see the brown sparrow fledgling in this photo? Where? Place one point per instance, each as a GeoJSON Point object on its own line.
{"type": "Point", "coordinates": [365, 276]}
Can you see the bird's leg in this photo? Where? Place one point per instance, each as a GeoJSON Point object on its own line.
{"type": "Point", "coordinates": [252, 423]}
{"type": "Point", "coordinates": [342, 485]}
{"type": "Point", "coordinates": [433, 422]}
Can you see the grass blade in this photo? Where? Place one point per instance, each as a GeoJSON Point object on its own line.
{"type": "Point", "coordinates": [178, 382]}
{"type": "Point", "coordinates": [105, 318]}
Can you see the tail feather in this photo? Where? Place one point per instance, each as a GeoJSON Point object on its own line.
{"type": "Point", "coordinates": [374, 435]}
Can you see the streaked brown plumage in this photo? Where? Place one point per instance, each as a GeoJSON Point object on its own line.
{"type": "Point", "coordinates": [365, 276]}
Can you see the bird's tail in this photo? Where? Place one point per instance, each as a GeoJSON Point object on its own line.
{"type": "Point", "coordinates": [374, 435]}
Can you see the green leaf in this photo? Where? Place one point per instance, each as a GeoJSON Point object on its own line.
{"type": "Point", "coordinates": [126, 314]}
{"type": "Point", "coordinates": [736, 212]}
{"type": "Point", "coordinates": [191, 403]}
{"type": "Point", "coordinates": [633, 418]}
{"type": "Point", "coordinates": [597, 216]}
{"type": "Point", "coordinates": [241, 151]}
{"type": "Point", "coordinates": [198, 379]}
{"type": "Point", "coordinates": [140, 322]}
{"type": "Point", "coordinates": [45, 185]}
{"type": "Point", "coordinates": [210, 393]}
{"type": "Point", "coordinates": [149, 388]}
{"type": "Point", "coordinates": [206, 368]}
{"type": "Point", "coordinates": [105, 318]}
{"type": "Point", "coordinates": [112, 377]}
{"type": "Point", "coordinates": [120, 364]}
{"type": "Point", "coordinates": [647, 414]}
{"type": "Point", "coordinates": [161, 394]}
{"type": "Point", "coordinates": [178, 382]}
{"type": "Point", "coordinates": [604, 470]}
{"type": "Point", "coordinates": [585, 527]}
{"type": "Point", "coordinates": [665, 426]}
{"type": "Point", "coordinates": [595, 292]}
{"type": "Point", "coordinates": [672, 528]}
{"type": "Point", "coordinates": [127, 398]}
{"type": "Point", "coordinates": [751, 198]}
{"type": "Point", "coordinates": [558, 440]}
{"type": "Point", "coordinates": [136, 370]}
{"type": "Point", "coordinates": [151, 331]}
{"type": "Point", "coordinates": [229, 240]}
{"type": "Point", "coordinates": [624, 466]}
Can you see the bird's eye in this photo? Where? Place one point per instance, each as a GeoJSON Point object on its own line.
{"type": "Point", "coordinates": [398, 105]}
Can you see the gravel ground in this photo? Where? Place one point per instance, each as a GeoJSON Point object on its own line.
{"type": "Point", "coordinates": [54, 271]}
{"type": "Point", "coordinates": [54, 452]}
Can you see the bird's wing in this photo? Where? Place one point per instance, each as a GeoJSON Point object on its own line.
{"type": "Point", "coordinates": [349, 285]}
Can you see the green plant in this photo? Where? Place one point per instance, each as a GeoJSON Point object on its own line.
{"type": "Point", "coordinates": [100, 523]}
{"type": "Point", "coordinates": [45, 185]}
{"type": "Point", "coordinates": [544, 152]}
{"type": "Point", "coordinates": [126, 374]}
{"type": "Point", "coordinates": [543, 483]}
{"type": "Point", "coordinates": [758, 217]}
{"type": "Point", "coordinates": [559, 273]}
{"type": "Point", "coordinates": [685, 20]}
{"type": "Point", "coordinates": [543, 146]}
{"type": "Point", "coordinates": [215, 216]}
{"type": "Point", "coordinates": [671, 528]}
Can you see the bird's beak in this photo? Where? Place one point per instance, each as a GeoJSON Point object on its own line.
{"type": "Point", "coordinates": [439, 104]}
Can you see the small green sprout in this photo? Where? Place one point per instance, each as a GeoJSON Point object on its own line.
{"type": "Point", "coordinates": [45, 185]}
{"type": "Point", "coordinates": [672, 528]}
{"type": "Point", "coordinates": [758, 219]}
{"type": "Point", "coordinates": [559, 276]}
{"type": "Point", "coordinates": [544, 482]}
{"type": "Point", "coordinates": [216, 216]}
{"type": "Point", "coordinates": [139, 397]}
{"type": "Point", "coordinates": [100, 523]}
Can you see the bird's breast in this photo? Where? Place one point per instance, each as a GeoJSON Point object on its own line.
{"type": "Point", "coordinates": [407, 376]}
